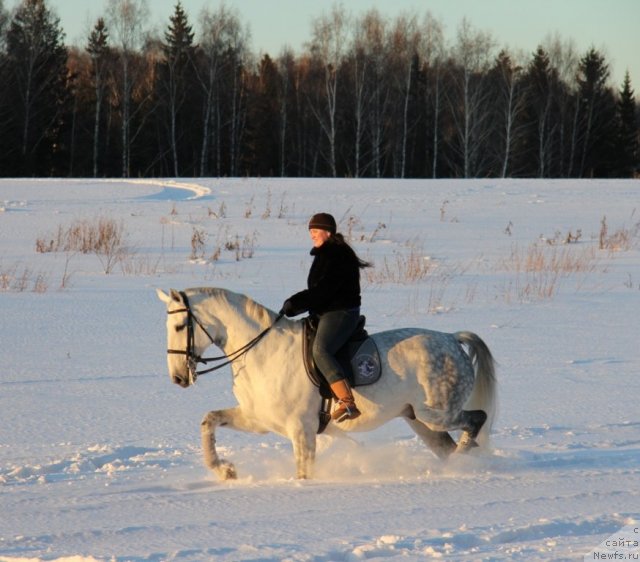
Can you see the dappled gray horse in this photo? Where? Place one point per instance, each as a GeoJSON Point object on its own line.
{"type": "Point", "coordinates": [428, 378]}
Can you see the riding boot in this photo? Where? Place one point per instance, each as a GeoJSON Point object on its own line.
{"type": "Point", "coordinates": [347, 409]}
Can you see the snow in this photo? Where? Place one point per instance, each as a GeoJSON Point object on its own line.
{"type": "Point", "coordinates": [100, 453]}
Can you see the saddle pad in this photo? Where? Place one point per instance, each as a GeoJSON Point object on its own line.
{"type": "Point", "coordinates": [359, 358]}
{"type": "Point", "coordinates": [365, 363]}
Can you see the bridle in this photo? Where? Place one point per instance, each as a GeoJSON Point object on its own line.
{"type": "Point", "coordinates": [193, 359]}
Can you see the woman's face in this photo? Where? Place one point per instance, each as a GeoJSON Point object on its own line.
{"type": "Point", "coordinates": [319, 236]}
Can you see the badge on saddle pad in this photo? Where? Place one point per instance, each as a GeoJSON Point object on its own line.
{"type": "Point", "coordinates": [365, 363]}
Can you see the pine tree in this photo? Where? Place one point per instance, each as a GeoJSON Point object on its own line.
{"type": "Point", "coordinates": [628, 156]}
{"type": "Point", "coordinates": [35, 73]}
{"type": "Point", "coordinates": [597, 116]}
{"type": "Point", "coordinates": [98, 49]}
{"type": "Point", "coordinates": [176, 84]}
{"type": "Point", "coordinates": [541, 82]}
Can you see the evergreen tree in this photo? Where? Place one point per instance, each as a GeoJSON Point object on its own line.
{"type": "Point", "coordinates": [540, 81]}
{"type": "Point", "coordinates": [35, 74]}
{"type": "Point", "coordinates": [597, 117]}
{"type": "Point", "coordinates": [98, 48]}
{"type": "Point", "coordinates": [176, 91]}
{"type": "Point", "coordinates": [262, 142]}
{"type": "Point", "coordinates": [627, 155]}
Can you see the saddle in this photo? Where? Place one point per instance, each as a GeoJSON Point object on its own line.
{"type": "Point", "coordinates": [358, 357]}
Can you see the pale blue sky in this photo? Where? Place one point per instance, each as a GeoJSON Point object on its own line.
{"type": "Point", "coordinates": [612, 26]}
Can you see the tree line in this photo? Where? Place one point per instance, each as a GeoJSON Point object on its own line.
{"type": "Point", "coordinates": [367, 97]}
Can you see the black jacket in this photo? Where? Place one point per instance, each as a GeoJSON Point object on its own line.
{"type": "Point", "coordinates": [333, 282]}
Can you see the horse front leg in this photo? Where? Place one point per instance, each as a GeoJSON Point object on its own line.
{"type": "Point", "coordinates": [233, 418]}
{"type": "Point", "coordinates": [303, 439]}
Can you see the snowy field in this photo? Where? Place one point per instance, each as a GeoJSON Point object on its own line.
{"type": "Point", "coordinates": [100, 454]}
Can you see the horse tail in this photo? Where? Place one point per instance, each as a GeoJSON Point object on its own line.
{"type": "Point", "coordinates": [483, 397]}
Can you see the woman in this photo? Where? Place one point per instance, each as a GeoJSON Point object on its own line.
{"type": "Point", "coordinates": [333, 295]}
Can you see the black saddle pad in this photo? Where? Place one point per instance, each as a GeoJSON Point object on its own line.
{"type": "Point", "coordinates": [359, 357]}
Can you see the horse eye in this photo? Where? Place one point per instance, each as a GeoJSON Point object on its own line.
{"type": "Point", "coordinates": [181, 327]}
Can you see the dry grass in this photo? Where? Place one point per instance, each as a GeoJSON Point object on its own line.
{"type": "Point", "coordinates": [410, 265]}
{"type": "Point", "coordinates": [103, 236]}
{"type": "Point", "coordinates": [622, 240]}
{"type": "Point", "coordinates": [539, 269]}
{"type": "Point", "coordinates": [17, 279]}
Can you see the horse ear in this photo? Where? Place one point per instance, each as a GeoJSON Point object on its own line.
{"type": "Point", "coordinates": [163, 296]}
{"type": "Point", "coordinates": [176, 296]}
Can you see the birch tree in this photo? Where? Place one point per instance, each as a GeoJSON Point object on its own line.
{"type": "Point", "coordinates": [509, 107]}
{"type": "Point", "coordinates": [286, 73]}
{"type": "Point", "coordinates": [126, 19]}
{"type": "Point", "coordinates": [564, 59]}
{"type": "Point", "coordinates": [219, 37]}
{"type": "Point", "coordinates": [359, 69]}
{"type": "Point", "coordinates": [378, 98]}
{"type": "Point", "coordinates": [470, 108]}
{"type": "Point", "coordinates": [328, 44]}
{"type": "Point", "coordinates": [432, 52]}
{"type": "Point", "coordinates": [404, 45]}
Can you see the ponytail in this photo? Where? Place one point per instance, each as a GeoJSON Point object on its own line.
{"type": "Point", "coordinates": [338, 239]}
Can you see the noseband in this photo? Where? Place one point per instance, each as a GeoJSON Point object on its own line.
{"type": "Point", "coordinates": [193, 359]}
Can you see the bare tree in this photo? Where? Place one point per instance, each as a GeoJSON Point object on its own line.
{"type": "Point", "coordinates": [509, 105]}
{"type": "Point", "coordinates": [286, 69]}
{"type": "Point", "coordinates": [378, 98]}
{"type": "Point", "coordinates": [221, 38]}
{"type": "Point", "coordinates": [432, 50]}
{"type": "Point", "coordinates": [359, 79]}
{"type": "Point", "coordinates": [328, 44]}
{"type": "Point", "coordinates": [564, 58]}
{"type": "Point", "coordinates": [404, 45]}
{"type": "Point", "coordinates": [472, 52]}
{"type": "Point", "coordinates": [126, 20]}
{"type": "Point", "coordinates": [239, 60]}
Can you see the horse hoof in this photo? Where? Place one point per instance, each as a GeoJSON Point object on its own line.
{"type": "Point", "coordinates": [466, 444]}
{"type": "Point", "coordinates": [226, 471]}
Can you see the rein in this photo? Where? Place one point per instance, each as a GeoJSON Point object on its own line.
{"type": "Point", "coordinates": [193, 359]}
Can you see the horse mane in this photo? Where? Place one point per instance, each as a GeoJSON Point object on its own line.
{"type": "Point", "coordinates": [260, 314]}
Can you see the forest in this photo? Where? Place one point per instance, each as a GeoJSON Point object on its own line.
{"type": "Point", "coordinates": [368, 96]}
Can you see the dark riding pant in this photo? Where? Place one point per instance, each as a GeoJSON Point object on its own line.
{"type": "Point", "coordinates": [334, 330]}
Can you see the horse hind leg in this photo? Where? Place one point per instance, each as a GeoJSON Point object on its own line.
{"type": "Point", "coordinates": [440, 442]}
{"type": "Point", "coordinates": [471, 422]}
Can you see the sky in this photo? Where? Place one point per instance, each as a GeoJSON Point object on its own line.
{"type": "Point", "coordinates": [611, 26]}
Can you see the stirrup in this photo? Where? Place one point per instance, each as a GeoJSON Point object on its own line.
{"type": "Point", "coordinates": [345, 411]}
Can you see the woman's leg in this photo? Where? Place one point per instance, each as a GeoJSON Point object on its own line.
{"type": "Point", "coordinates": [334, 330]}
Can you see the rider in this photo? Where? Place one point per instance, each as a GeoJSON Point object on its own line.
{"type": "Point", "coordinates": [333, 295]}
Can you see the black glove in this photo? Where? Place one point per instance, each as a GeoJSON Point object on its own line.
{"type": "Point", "coordinates": [288, 309]}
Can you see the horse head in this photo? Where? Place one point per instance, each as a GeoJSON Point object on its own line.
{"type": "Point", "coordinates": [182, 351]}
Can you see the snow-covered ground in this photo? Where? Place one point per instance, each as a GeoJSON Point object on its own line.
{"type": "Point", "coordinates": [100, 453]}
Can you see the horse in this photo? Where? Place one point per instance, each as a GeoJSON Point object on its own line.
{"type": "Point", "coordinates": [438, 382]}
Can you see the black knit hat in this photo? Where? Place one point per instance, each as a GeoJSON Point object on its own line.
{"type": "Point", "coordinates": [323, 221]}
